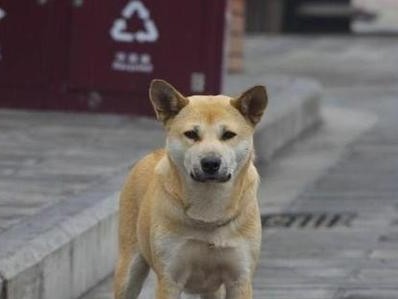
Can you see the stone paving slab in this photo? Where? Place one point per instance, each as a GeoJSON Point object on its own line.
{"type": "Point", "coordinates": [48, 157]}
{"type": "Point", "coordinates": [311, 158]}
{"type": "Point", "coordinates": [336, 61]}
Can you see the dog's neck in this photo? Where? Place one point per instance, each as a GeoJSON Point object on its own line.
{"type": "Point", "coordinates": [208, 202]}
{"type": "Point", "coordinates": [212, 203]}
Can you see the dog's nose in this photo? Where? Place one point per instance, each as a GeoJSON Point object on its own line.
{"type": "Point", "coordinates": [211, 164]}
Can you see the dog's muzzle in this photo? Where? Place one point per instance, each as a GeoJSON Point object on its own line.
{"type": "Point", "coordinates": [210, 170]}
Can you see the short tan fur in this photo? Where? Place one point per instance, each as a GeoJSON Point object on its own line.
{"type": "Point", "coordinates": [189, 211]}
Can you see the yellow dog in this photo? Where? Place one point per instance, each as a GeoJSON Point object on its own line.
{"type": "Point", "coordinates": [189, 211]}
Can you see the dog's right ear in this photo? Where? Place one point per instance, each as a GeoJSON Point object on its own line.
{"type": "Point", "coordinates": [166, 100]}
{"type": "Point", "coordinates": [252, 103]}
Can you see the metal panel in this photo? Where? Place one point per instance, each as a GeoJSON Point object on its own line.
{"type": "Point", "coordinates": [34, 41]}
{"type": "Point", "coordinates": [101, 55]}
{"type": "Point", "coordinates": [119, 46]}
{"type": "Point", "coordinates": [23, 37]}
{"type": "Point", "coordinates": [23, 62]}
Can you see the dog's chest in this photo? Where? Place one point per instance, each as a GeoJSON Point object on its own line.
{"type": "Point", "coordinates": [202, 266]}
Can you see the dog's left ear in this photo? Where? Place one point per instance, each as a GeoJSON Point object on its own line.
{"type": "Point", "coordinates": [252, 103]}
{"type": "Point", "coordinates": [166, 100]}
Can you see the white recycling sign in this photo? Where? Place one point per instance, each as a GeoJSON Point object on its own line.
{"type": "Point", "coordinates": [120, 33]}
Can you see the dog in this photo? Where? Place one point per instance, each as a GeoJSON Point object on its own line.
{"type": "Point", "coordinates": [189, 211]}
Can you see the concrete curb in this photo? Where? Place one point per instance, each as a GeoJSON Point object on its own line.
{"type": "Point", "coordinates": [62, 254]}
{"type": "Point", "coordinates": [68, 248]}
{"type": "Point", "coordinates": [289, 121]}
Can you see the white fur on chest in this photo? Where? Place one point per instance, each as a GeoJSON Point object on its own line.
{"type": "Point", "coordinates": [200, 262]}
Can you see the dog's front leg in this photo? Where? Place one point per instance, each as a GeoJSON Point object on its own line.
{"type": "Point", "coordinates": [219, 294]}
{"type": "Point", "coordinates": [239, 290]}
{"type": "Point", "coordinates": [166, 289]}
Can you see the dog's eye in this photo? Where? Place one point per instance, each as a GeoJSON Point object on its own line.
{"type": "Point", "coordinates": [228, 135]}
{"type": "Point", "coordinates": [192, 135]}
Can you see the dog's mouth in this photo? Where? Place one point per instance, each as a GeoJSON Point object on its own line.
{"type": "Point", "coordinates": [216, 178]}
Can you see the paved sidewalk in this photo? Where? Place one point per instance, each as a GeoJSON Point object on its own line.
{"type": "Point", "coordinates": [360, 261]}
{"type": "Point", "coordinates": [60, 174]}
{"type": "Point", "coordinates": [356, 257]}
{"type": "Point", "coordinates": [291, 268]}
{"type": "Point", "coordinates": [47, 157]}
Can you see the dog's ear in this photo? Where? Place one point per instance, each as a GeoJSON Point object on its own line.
{"type": "Point", "coordinates": [166, 100]}
{"type": "Point", "coordinates": [252, 103]}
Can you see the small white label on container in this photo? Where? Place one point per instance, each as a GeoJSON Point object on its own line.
{"type": "Point", "coordinates": [198, 82]}
{"type": "Point", "coordinates": [2, 13]}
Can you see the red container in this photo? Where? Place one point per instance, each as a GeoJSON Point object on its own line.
{"type": "Point", "coordinates": [101, 55]}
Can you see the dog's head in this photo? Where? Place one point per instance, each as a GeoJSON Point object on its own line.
{"type": "Point", "coordinates": [210, 138]}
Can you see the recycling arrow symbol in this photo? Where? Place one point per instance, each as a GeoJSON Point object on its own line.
{"type": "Point", "coordinates": [119, 31]}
